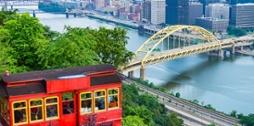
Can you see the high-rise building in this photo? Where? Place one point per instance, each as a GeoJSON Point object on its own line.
{"type": "Point", "coordinates": [217, 10]}
{"type": "Point", "coordinates": [183, 11]}
{"type": "Point", "coordinates": [213, 24]}
{"type": "Point", "coordinates": [206, 2]}
{"type": "Point", "coordinates": [157, 12]}
{"type": "Point", "coordinates": [242, 16]}
{"type": "Point", "coordinates": [146, 11]}
{"type": "Point", "coordinates": [171, 11]}
{"type": "Point", "coordinates": [195, 10]}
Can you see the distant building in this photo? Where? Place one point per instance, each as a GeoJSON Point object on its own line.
{"type": "Point", "coordinates": [135, 11]}
{"type": "Point", "coordinates": [242, 16]}
{"type": "Point", "coordinates": [121, 13]}
{"type": "Point", "coordinates": [157, 12]}
{"type": "Point", "coordinates": [172, 12]}
{"type": "Point", "coordinates": [195, 10]}
{"type": "Point", "coordinates": [146, 11]}
{"type": "Point", "coordinates": [183, 11]}
{"type": "Point", "coordinates": [217, 10]}
{"type": "Point", "coordinates": [206, 2]}
{"type": "Point", "coordinates": [233, 2]}
{"type": "Point", "coordinates": [99, 3]}
{"type": "Point", "coordinates": [213, 24]}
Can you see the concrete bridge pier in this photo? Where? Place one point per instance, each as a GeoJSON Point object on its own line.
{"type": "Point", "coordinates": [241, 48]}
{"type": "Point", "coordinates": [233, 50]}
{"type": "Point", "coordinates": [218, 53]}
{"type": "Point", "coordinates": [67, 15]}
{"type": "Point", "coordinates": [142, 73]}
{"type": "Point", "coordinates": [221, 53]}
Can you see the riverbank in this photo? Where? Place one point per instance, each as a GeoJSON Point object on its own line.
{"type": "Point", "coordinates": [187, 110]}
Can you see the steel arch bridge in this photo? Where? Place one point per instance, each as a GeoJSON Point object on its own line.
{"type": "Point", "coordinates": [190, 40]}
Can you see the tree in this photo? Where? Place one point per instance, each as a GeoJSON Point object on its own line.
{"type": "Point", "coordinates": [7, 15]}
{"type": "Point", "coordinates": [247, 120]}
{"type": "Point", "coordinates": [147, 107]}
{"type": "Point", "coordinates": [73, 48]}
{"type": "Point", "coordinates": [111, 46]}
{"type": "Point", "coordinates": [236, 31]}
{"type": "Point", "coordinates": [174, 120]}
{"type": "Point", "coordinates": [26, 38]}
{"type": "Point", "coordinates": [133, 121]}
{"type": "Point", "coordinates": [178, 95]}
{"type": "Point", "coordinates": [7, 62]}
{"type": "Point", "coordinates": [233, 114]}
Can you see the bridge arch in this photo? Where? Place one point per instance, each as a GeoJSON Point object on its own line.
{"type": "Point", "coordinates": [150, 44]}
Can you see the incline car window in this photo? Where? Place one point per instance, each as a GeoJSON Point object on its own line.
{"type": "Point", "coordinates": [100, 99]}
{"type": "Point", "coordinates": [36, 110]}
{"type": "Point", "coordinates": [20, 112]}
{"type": "Point", "coordinates": [52, 108]}
{"type": "Point", "coordinates": [86, 102]}
{"type": "Point", "coordinates": [113, 101]}
{"type": "Point", "coordinates": [68, 103]}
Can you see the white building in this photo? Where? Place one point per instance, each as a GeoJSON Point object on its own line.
{"type": "Point", "coordinates": [99, 4]}
{"type": "Point", "coordinates": [217, 10]}
{"type": "Point", "coordinates": [158, 8]}
{"type": "Point", "coordinates": [242, 16]}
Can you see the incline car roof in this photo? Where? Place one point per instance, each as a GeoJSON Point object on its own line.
{"type": "Point", "coordinates": [55, 74]}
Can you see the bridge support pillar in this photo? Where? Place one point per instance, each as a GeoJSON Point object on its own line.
{"type": "Point", "coordinates": [131, 74]}
{"type": "Point", "coordinates": [142, 73]}
{"type": "Point", "coordinates": [233, 50]}
{"type": "Point", "coordinates": [67, 15]}
{"type": "Point", "coordinates": [221, 53]}
{"type": "Point", "coordinates": [241, 48]}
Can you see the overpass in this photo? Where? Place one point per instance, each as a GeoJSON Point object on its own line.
{"type": "Point", "coordinates": [179, 41]}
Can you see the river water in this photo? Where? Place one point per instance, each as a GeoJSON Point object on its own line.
{"type": "Point", "coordinates": [226, 84]}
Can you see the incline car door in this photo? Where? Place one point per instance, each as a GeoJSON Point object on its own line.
{"type": "Point", "coordinates": [69, 109]}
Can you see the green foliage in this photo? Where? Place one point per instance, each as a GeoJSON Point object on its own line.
{"type": "Point", "coordinates": [236, 31]}
{"type": "Point", "coordinates": [244, 120]}
{"type": "Point", "coordinates": [25, 37]}
{"type": "Point", "coordinates": [178, 95]}
{"type": "Point", "coordinates": [110, 46]}
{"type": "Point", "coordinates": [174, 120]}
{"type": "Point", "coordinates": [73, 48]}
{"type": "Point", "coordinates": [36, 47]}
{"type": "Point", "coordinates": [247, 120]}
{"type": "Point", "coordinates": [151, 85]}
{"type": "Point", "coordinates": [233, 114]}
{"type": "Point", "coordinates": [147, 108]}
{"type": "Point", "coordinates": [133, 121]}
{"type": "Point", "coordinates": [6, 15]}
{"type": "Point", "coordinates": [7, 62]}
{"type": "Point", "coordinates": [209, 107]}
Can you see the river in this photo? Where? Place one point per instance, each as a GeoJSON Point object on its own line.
{"type": "Point", "coordinates": [226, 84]}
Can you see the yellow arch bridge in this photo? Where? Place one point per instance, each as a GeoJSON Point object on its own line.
{"type": "Point", "coordinates": [179, 41]}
